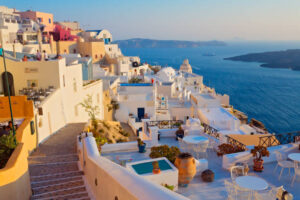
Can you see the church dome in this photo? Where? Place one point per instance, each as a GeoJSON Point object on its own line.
{"type": "Point", "coordinates": [186, 67]}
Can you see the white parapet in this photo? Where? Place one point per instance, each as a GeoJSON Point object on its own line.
{"type": "Point", "coordinates": [108, 180]}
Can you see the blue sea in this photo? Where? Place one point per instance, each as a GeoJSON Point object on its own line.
{"type": "Point", "coordinates": [269, 95]}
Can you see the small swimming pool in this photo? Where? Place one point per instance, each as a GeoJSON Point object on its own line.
{"type": "Point", "coordinates": [146, 167]}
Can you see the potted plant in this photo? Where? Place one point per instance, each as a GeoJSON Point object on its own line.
{"type": "Point", "coordinates": [179, 133]}
{"type": "Point", "coordinates": [186, 166]}
{"type": "Point", "coordinates": [156, 169]}
{"type": "Point", "coordinates": [141, 146]}
{"type": "Point", "coordinates": [258, 152]}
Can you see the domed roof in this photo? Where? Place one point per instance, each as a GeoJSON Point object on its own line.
{"type": "Point", "coordinates": [186, 67]}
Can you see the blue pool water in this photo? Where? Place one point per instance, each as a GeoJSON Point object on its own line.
{"type": "Point", "coordinates": [147, 167]}
{"type": "Point", "coordinates": [269, 95]}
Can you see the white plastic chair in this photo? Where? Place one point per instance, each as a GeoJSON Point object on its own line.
{"type": "Point", "coordinates": [182, 145]}
{"type": "Point", "coordinates": [200, 149]}
{"type": "Point", "coordinates": [270, 194]}
{"type": "Point", "coordinates": [243, 194]}
{"type": "Point", "coordinates": [230, 188]}
{"type": "Point", "coordinates": [297, 171]}
{"type": "Point", "coordinates": [236, 171]}
{"type": "Point", "coordinates": [283, 163]}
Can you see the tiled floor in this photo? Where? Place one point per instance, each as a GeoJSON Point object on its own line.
{"type": "Point", "coordinates": [198, 189]}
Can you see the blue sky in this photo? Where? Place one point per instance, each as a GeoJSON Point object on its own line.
{"type": "Point", "coordinates": [178, 19]}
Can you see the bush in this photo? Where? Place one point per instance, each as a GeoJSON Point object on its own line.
{"type": "Point", "coordinates": [7, 146]}
{"type": "Point", "coordinates": [165, 151]}
{"type": "Point", "coordinates": [228, 149]}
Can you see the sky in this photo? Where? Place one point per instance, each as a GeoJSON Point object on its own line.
{"type": "Point", "coordinates": [178, 19]}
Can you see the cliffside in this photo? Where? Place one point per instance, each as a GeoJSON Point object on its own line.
{"type": "Point", "coordinates": [276, 59]}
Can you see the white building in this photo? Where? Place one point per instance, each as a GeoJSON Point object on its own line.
{"type": "Point", "coordinates": [136, 99]}
{"type": "Point", "coordinates": [166, 74]}
{"type": "Point", "coordinates": [104, 35]}
{"type": "Point", "coordinates": [113, 50]}
{"type": "Point", "coordinates": [10, 23]}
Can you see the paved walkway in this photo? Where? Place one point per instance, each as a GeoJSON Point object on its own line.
{"type": "Point", "coordinates": [53, 167]}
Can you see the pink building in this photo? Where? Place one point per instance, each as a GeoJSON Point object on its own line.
{"type": "Point", "coordinates": [61, 33]}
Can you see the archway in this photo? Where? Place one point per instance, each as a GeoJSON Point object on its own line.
{"type": "Point", "coordinates": [10, 83]}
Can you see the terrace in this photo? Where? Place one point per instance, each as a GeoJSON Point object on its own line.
{"type": "Point", "coordinates": [220, 165]}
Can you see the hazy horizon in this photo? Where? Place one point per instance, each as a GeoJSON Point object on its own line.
{"type": "Point", "coordinates": [230, 20]}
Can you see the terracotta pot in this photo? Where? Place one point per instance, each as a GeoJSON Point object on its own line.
{"type": "Point", "coordinates": [186, 166]}
{"type": "Point", "coordinates": [156, 171]}
{"type": "Point", "coordinates": [258, 165]}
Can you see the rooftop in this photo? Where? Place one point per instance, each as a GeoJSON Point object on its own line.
{"type": "Point", "coordinates": [215, 190]}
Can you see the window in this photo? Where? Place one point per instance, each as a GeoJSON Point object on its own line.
{"type": "Point", "coordinates": [40, 19]}
{"type": "Point", "coordinates": [96, 56]}
{"type": "Point", "coordinates": [13, 21]}
{"type": "Point", "coordinates": [31, 37]}
{"type": "Point", "coordinates": [195, 82]}
{"type": "Point", "coordinates": [7, 20]}
{"type": "Point", "coordinates": [49, 21]}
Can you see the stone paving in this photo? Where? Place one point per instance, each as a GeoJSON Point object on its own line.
{"type": "Point", "coordinates": [53, 167]}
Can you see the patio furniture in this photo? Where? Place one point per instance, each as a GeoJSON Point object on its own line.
{"type": "Point", "coordinates": [294, 157]}
{"type": "Point", "coordinates": [182, 145]}
{"type": "Point", "coordinates": [297, 171]}
{"type": "Point", "coordinates": [243, 194]}
{"type": "Point", "coordinates": [270, 194]}
{"type": "Point", "coordinates": [230, 188]}
{"type": "Point", "coordinates": [196, 144]}
{"type": "Point", "coordinates": [251, 183]}
{"type": "Point", "coordinates": [208, 175]}
{"type": "Point", "coordinates": [283, 163]}
{"type": "Point", "coordinates": [236, 171]}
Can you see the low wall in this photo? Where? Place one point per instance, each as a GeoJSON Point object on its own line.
{"type": "Point", "coordinates": [108, 180]}
{"type": "Point", "coordinates": [167, 132]}
{"type": "Point", "coordinates": [14, 177]}
{"type": "Point", "coordinates": [229, 160]}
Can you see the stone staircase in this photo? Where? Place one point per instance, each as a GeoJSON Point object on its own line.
{"type": "Point", "coordinates": [56, 177]}
{"type": "Point", "coordinates": [53, 167]}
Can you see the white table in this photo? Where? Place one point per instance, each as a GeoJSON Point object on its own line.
{"type": "Point", "coordinates": [251, 183]}
{"type": "Point", "coordinates": [294, 157]}
{"type": "Point", "coordinates": [193, 139]}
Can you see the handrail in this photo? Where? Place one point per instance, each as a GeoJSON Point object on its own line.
{"type": "Point", "coordinates": [235, 142]}
{"type": "Point", "coordinates": [278, 139]}
{"type": "Point", "coordinates": [210, 130]}
{"type": "Point", "coordinates": [165, 124]}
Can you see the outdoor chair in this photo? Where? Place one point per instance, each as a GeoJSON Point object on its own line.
{"type": "Point", "coordinates": [200, 149]}
{"type": "Point", "coordinates": [297, 171]}
{"type": "Point", "coordinates": [269, 194]}
{"type": "Point", "coordinates": [283, 163]}
{"type": "Point", "coordinates": [182, 145]}
{"type": "Point", "coordinates": [236, 171]}
{"type": "Point", "coordinates": [230, 188]}
{"type": "Point", "coordinates": [243, 194]}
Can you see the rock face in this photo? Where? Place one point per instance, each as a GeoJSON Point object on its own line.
{"type": "Point", "coordinates": [186, 67]}
{"type": "Point", "coordinates": [276, 59]}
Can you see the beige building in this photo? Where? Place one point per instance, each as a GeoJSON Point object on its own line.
{"type": "Point", "coordinates": [62, 105]}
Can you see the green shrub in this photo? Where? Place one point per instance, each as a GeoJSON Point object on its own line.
{"type": "Point", "coordinates": [165, 151]}
{"type": "Point", "coordinates": [124, 133]}
{"type": "Point", "coordinates": [7, 146]}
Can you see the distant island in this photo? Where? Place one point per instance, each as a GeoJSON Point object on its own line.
{"type": "Point", "coordinates": [149, 43]}
{"type": "Point", "coordinates": [276, 59]}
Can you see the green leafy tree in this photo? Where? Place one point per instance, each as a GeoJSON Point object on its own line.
{"type": "Point", "coordinates": [92, 110]}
